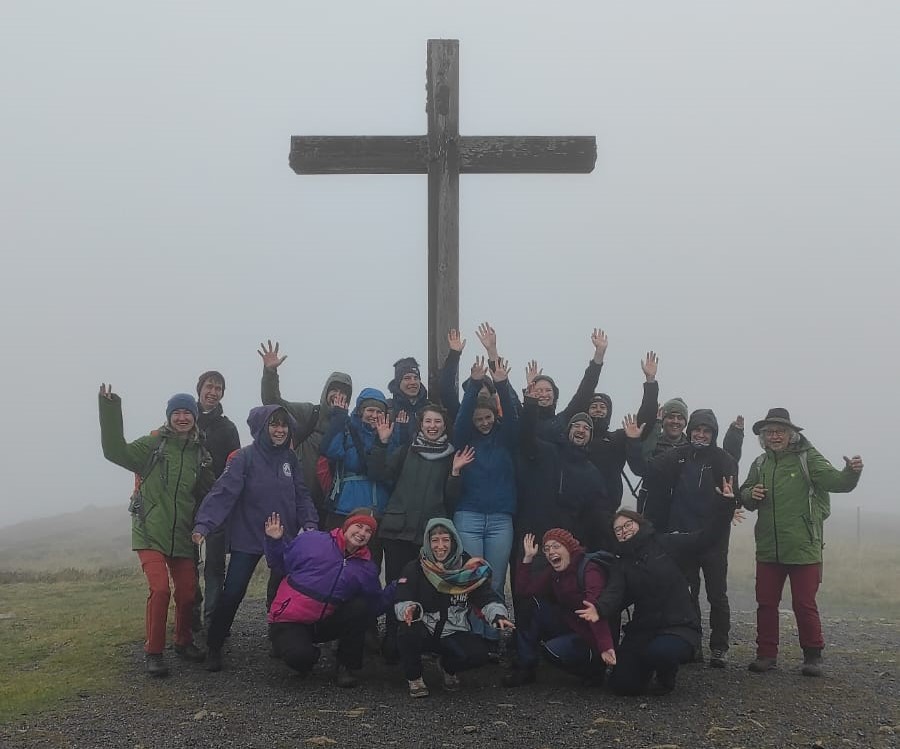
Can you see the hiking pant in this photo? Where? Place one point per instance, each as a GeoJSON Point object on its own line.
{"type": "Point", "coordinates": [636, 660]}
{"type": "Point", "coordinates": [216, 549]}
{"type": "Point", "coordinates": [396, 556]}
{"type": "Point", "coordinates": [714, 565]}
{"type": "Point", "coordinates": [157, 567]}
{"type": "Point", "coordinates": [458, 651]}
{"type": "Point", "coordinates": [240, 570]}
{"type": "Point", "coordinates": [490, 536]}
{"type": "Point", "coordinates": [546, 632]}
{"type": "Point", "coordinates": [805, 579]}
{"type": "Point", "coordinates": [296, 643]}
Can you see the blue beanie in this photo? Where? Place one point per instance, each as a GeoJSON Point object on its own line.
{"type": "Point", "coordinates": [181, 400]}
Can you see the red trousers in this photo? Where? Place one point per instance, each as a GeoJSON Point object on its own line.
{"type": "Point", "coordinates": [157, 568]}
{"type": "Point", "coordinates": [805, 579]}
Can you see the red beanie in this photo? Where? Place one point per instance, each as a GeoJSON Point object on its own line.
{"type": "Point", "coordinates": [362, 520]}
{"type": "Point", "coordinates": [563, 537]}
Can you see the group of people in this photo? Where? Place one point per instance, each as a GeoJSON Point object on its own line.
{"type": "Point", "coordinates": [447, 496]}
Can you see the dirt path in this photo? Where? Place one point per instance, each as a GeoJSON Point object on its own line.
{"type": "Point", "coordinates": [256, 702]}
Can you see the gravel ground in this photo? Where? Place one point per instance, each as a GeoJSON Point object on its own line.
{"type": "Point", "coordinates": [257, 702]}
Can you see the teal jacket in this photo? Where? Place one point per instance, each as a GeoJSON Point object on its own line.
{"type": "Point", "coordinates": [790, 520]}
{"type": "Point", "coordinates": [169, 491]}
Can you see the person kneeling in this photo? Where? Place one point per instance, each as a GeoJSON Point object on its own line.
{"type": "Point", "coordinates": [557, 595]}
{"type": "Point", "coordinates": [330, 592]}
{"type": "Point", "coordinates": [433, 598]}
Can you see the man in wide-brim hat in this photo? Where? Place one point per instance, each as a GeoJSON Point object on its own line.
{"type": "Point", "coordinates": [788, 485]}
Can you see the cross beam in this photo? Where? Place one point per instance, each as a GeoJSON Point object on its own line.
{"type": "Point", "coordinates": [443, 155]}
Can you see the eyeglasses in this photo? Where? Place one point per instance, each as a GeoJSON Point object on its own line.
{"type": "Point", "coordinates": [628, 525]}
{"type": "Point", "coordinates": [773, 431]}
{"type": "Point", "coordinates": [551, 547]}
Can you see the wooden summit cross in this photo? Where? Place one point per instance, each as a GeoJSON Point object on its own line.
{"type": "Point", "coordinates": [443, 155]}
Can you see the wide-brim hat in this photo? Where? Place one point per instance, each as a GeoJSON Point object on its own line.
{"type": "Point", "coordinates": [776, 416]}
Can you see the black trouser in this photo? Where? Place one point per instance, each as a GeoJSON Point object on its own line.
{"type": "Point", "coordinates": [637, 659]}
{"type": "Point", "coordinates": [714, 564]}
{"type": "Point", "coordinates": [459, 651]}
{"type": "Point", "coordinates": [205, 600]}
{"type": "Point", "coordinates": [296, 644]}
{"type": "Point", "coordinates": [396, 556]}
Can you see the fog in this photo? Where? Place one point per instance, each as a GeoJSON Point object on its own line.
{"type": "Point", "coordinates": [742, 219]}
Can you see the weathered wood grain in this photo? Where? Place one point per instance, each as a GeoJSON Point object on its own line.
{"type": "Point", "coordinates": [500, 154]}
{"type": "Point", "coordinates": [363, 154]}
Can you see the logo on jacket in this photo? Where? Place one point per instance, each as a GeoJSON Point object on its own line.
{"type": "Point", "coordinates": [286, 469]}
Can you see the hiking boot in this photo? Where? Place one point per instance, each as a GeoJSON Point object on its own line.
{"type": "Point", "coordinates": [519, 676]}
{"type": "Point", "coordinates": [812, 662]}
{"type": "Point", "coordinates": [718, 658]}
{"type": "Point", "coordinates": [156, 665]}
{"type": "Point", "coordinates": [762, 664]}
{"type": "Point", "coordinates": [343, 678]}
{"type": "Point", "coordinates": [190, 652]}
{"type": "Point", "coordinates": [664, 683]}
{"type": "Point", "coordinates": [214, 659]}
{"type": "Point", "coordinates": [451, 681]}
{"type": "Point", "coordinates": [417, 688]}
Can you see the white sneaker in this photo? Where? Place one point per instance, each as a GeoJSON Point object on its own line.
{"type": "Point", "coordinates": [418, 688]}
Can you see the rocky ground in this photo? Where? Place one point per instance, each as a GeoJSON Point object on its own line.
{"type": "Point", "coordinates": [256, 702]}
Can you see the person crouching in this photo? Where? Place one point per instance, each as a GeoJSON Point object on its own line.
{"type": "Point", "coordinates": [330, 592]}
{"type": "Point", "coordinates": [433, 598]}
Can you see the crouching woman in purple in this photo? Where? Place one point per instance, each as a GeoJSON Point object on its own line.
{"type": "Point", "coordinates": [330, 591]}
{"type": "Point", "coordinates": [434, 596]}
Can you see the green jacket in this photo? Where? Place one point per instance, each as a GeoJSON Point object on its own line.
{"type": "Point", "coordinates": [168, 490]}
{"type": "Point", "coordinates": [418, 494]}
{"type": "Point", "coordinates": [789, 523]}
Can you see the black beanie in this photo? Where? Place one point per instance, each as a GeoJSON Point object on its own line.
{"type": "Point", "coordinates": [404, 366]}
{"type": "Point", "coordinates": [212, 374]}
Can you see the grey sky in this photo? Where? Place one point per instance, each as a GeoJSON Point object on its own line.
{"type": "Point", "coordinates": [742, 219]}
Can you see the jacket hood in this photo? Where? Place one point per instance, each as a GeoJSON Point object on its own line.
{"type": "Point", "coordinates": [602, 425]}
{"type": "Point", "coordinates": [258, 421]}
{"type": "Point", "coordinates": [553, 386]}
{"type": "Point", "coordinates": [704, 417]}
{"type": "Point", "coordinates": [634, 545]}
{"type": "Point", "coordinates": [454, 559]}
{"type": "Point", "coordinates": [336, 378]}
{"type": "Point", "coordinates": [370, 394]}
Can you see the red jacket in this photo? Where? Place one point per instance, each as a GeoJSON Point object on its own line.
{"type": "Point", "coordinates": [563, 589]}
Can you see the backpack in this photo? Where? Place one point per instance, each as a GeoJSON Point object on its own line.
{"type": "Point", "coordinates": [823, 500]}
{"type": "Point", "coordinates": [602, 559]}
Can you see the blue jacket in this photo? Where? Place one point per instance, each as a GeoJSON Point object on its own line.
{"type": "Point", "coordinates": [346, 444]}
{"type": "Point", "coordinates": [260, 479]}
{"type": "Point", "coordinates": [487, 484]}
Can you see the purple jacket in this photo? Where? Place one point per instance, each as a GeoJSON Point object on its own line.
{"type": "Point", "coordinates": [319, 576]}
{"type": "Point", "coordinates": [260, 479]}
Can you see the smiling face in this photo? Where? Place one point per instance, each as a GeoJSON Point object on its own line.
{"type": "Point", "coordinates": [410, 384]}
{"type": "Point", "coordinates": [673, 425]}
{"type": "Point", "coordinates": [598, 410]}
{"type": "Point", "coordinates": [483, 420]}
{"type": "Point", "coordinates": [211, 392]}
{"type": "Point", "coordinates": [279, 431]}
{"type": "Point", "coordinates": [433, 426]}
{"type": "Point", "coordinates": [557, 555]}
{"type": "Point", "coordinates": [181, 420]}
{"type": "Point", "coordinates": [701, 435]}
{"type": "Point", "coordinates": [356, 536]}
{"type": "Point", "coordinates": [775, 437]}
{"type": "Point", "coordinates": [440, 543]}
{"type": "Point", "coordinates": [370, 414]}
{"type": "Point", "coordinates": [624, 528]}
{"type": "Point", "coordinates": [579, 433]}
{"type": "Point", "coordinates": [543, 391]}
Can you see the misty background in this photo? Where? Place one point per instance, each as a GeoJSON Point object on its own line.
{"type": "Point", "coordinates": [742, 219]}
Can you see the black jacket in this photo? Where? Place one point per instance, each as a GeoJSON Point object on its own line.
{"type": "Point", "coordinates": [220, 436]}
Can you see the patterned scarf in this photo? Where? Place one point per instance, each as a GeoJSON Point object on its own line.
{"type": "Point", "coordinates": [431, 449]}
{"type": "Point", "coordinates": [465, 579]}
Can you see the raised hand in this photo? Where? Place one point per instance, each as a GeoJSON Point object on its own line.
{"type": "Point", "coordinates": [488, 338]}
{"type": "Point", "coordinates": [600, 341]}
{"type": "Point", "coordinates": [650, 366]}
{"type": "Point", "coordinates": [402, 417]}
{"type": "Point", "coordinates": [462, 458]}
{"type": "Point", "coordinates": [727, 489]}
{"type": "Point", "coordinates": [501, 370]}
{"type": "Point", "coordinates": [269, 354]}
{"type": "Point", "coordinates": [340, 401]}
{"type": "Point", "coordinates": [532, 371]}
{"type": "Point", "coordinates": [274, 528]}
{"type": "Point", "coordinates": [106, 391]}
{"type": "Point", "coordinates": [738, 422]}
{"type": "Point", "coordinates": [478, 369]}
{"type": "Point", "coordinates": [758, 493]}
{"type": "Point", "coordinates": [609, 657]}
{"type": "Point", "coordinates": [529, 548]}
{"type": "Point", "coordinates": [589, 612]}
{"type": "Point", "coordinates": [384, 427]}
{"type": "Point", "coordinates": [855, 463]}
{"type": "Point", "coordinates": [631, 427]}
{"type": "Point", "coordinates": [454, 341]}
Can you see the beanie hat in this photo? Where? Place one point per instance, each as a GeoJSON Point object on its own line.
{"type": "Point", "coordinates": [603, 397]}
{"type": "Point", "coordinates": [406, 366]}
{"type": "Point", "coordinates": [548, 378]}
{"type": "Point", "coordinates": [675, 406]}
{"type": "Point", "coordinates": [563, 537]}
{"type": "Point", "coordinates": [184, 401]}
{"type": "Point", "coordinates": [703, 417]}
{"type": "Point", "coordinates": [362, 519]}
{"type": "Point", "coordinates": [212, 374]}
{"type": "Point", "coordinates": [584, 418]}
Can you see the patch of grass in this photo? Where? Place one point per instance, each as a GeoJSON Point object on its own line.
{"type": "Point", "coordinates": [64, 637]}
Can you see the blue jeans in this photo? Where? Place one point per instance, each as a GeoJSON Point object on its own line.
{"type": "Point", "coordinates": [545, 631]}
{"type": "Point", "coordinates": [240, 569]}
{"type": "Point", "coordinates": [489, 536]}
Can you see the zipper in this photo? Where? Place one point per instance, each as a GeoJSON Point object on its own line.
{"type": "Point", "coordinates": [175, 498]}
{"type": "Point", "coordinates": [774, 520]}
{"type": "Point", "coordinates": [334, 584]}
